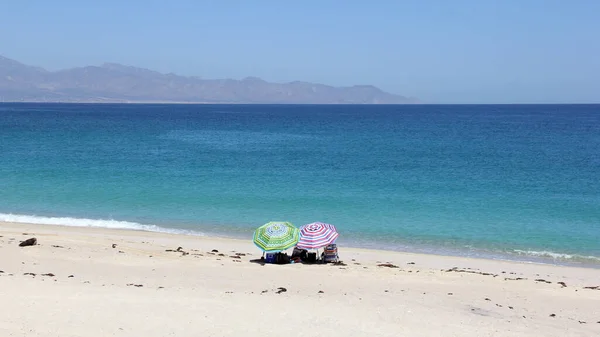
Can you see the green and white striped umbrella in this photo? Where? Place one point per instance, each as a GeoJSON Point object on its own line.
{"type": "Point", "coordinates": [276, 236]}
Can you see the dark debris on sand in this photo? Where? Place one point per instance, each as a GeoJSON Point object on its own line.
{"type": "Point", "coordinates": [178, 250]}
{"type": "Point", "coordinates": [281, 290]}
{"type": "Point", "coordinates": [135, 285]}
{"type": "Point", "coordinates": [387, 265]}
{"type": "Point", "coordinates": [28, 242]}
{"type": "Point", "coordinates": [456, 270]}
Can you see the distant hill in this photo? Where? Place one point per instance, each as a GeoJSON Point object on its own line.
{"type": "Point", "coordinates": [112, 82]}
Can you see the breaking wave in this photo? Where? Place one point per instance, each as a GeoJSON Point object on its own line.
{"type": "Point", "coordinates": [557, 256]}
{"type": "Point", "coordinates": [82, 222]}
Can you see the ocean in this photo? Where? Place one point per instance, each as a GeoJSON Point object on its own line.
{"type": "Point", "coordinates": [517, 182]}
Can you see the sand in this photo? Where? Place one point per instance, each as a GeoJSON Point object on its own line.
{"type": "Point", "coordinates": [140, 289]}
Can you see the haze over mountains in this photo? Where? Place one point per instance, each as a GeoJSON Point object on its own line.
{"type": "Point", "coordinates": [117, 83]}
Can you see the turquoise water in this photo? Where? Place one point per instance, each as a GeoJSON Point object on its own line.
{"type": "Point", "coordinates": [506, 181]}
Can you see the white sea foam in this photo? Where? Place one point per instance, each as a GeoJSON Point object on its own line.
{"type": "Point", "coordinates": [82, 222]}
{"type": "Point", "coordinates": [557, 256]}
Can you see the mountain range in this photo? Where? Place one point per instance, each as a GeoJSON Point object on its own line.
{"type": "Point", "coordinates": [116, 83]}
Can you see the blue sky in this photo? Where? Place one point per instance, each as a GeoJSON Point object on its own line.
{"type": "Point", "coordinates": [528, 51]}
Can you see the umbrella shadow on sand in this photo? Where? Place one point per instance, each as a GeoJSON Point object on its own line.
{"type": "Point", "coordinates": [262, 262]}
{"type": "Point", "coordinates": [259, 261]}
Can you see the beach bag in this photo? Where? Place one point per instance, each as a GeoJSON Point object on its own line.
{"type": "Point", "coordinates": [299, 253]}
{"type": "Point", "coordinates": [281, 258]}
{"type": "Point", "coordinates": [311, 257]}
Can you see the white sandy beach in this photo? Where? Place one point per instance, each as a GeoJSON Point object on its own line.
{"type": "Point", "coordinates": [140, 289]}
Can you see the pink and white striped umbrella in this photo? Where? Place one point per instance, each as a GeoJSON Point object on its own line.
{"type": "Point", "coordinates": [317, 235]}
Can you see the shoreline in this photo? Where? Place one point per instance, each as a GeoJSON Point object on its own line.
{"type": "Point", "coordinates": [82, 281]}
{"type": "Point", "coordinates": [532, 257]}
{"type": "Point", "coordinates": [236, 241]}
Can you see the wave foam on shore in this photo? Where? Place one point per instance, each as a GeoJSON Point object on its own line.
{"type": "Point", "coordinates": [83, 222]}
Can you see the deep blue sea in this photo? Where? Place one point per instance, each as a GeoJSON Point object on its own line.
{"type": "Point", "coordinates": [499, 181]}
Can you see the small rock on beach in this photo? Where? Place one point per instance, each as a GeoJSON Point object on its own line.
{"type": "Point", "coordinates": [28, 242]}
